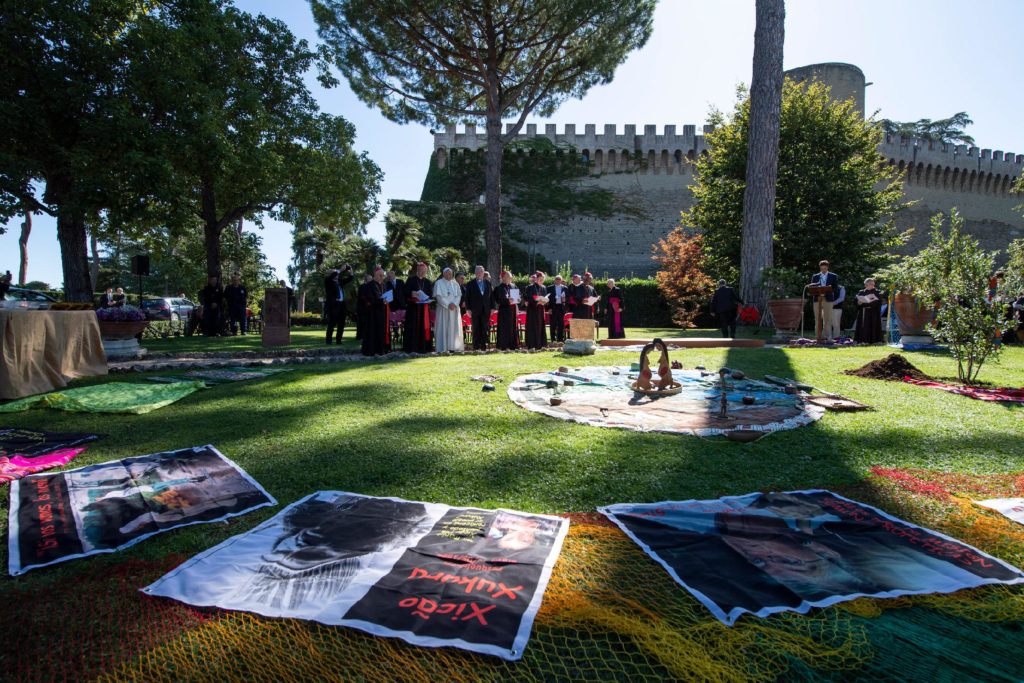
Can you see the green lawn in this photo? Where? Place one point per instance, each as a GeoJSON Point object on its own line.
{"type": "Point", "coordinates": [419, 429]}
{"type": "Point", "coordinates": [314, 337]}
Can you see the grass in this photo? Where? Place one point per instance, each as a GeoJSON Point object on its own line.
{"type": "Point", "coordinates": [313, 337]}
{"type": "Point", "coordinates": [419, 429]}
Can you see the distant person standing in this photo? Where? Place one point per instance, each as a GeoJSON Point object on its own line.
{"type": "Point", "coordinates": [119, 298]}
{"type": "Point", "coordinates": [479, 296]}
{"type": "Point", "coordinates": [536, 297]}
{"type": "Point", "coordinates": [107, 300]}
{"type": "Point", "coordinates": [724, 304]}
{"type": "Point", "coordinates": [237, 299]}
{"type": "Point", "coordinates": [837, 313]}
{"type": "Point", "coordinates": [418, 293]}
{"type": "Point", "coordinates": [558, 296]}
{"type": "Point", "coordinates": [613, 311]}
{"type": "Point", "coordinates": [398, 287]}
{"type": "Point", "coordinates": [824, 278]}
{"type": "Point", "coordinates": [334, 302]}
{"type": "Point", "coordinates": [212, 299]}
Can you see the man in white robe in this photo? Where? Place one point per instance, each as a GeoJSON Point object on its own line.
{"type": "Point", "coordinates": [448, 318]}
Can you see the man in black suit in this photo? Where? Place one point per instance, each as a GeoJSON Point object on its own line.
{"type": "Point", "coordinates": [824, 278]}
{"type": "Point", "coordinates": [398, 287]}
{"type": "Point", "coordinates": [334, 301]}
{"type": "Point", "coordinates": [478, 303]}
{"type": "Point", "coordinates": [558, 300]}
{"type": "Point", "coordinates": [724, 303]}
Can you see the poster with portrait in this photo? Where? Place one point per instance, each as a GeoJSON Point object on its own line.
{"type": "Point", "coordinates": [106, 507]}
{"type": "Point", "coordinates": [773, 552]}
{"type": "Point", "coordinates": [428, 573]}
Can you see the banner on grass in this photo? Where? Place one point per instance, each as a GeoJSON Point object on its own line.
{"type": "Point", "coordinates": [33, 442]}
{"type": "Point", "coordinates": [430, 574]}
{"type": "Point", "coordinates": [772, 552]}
{"type": "Point", "coordinates": [1012, 508]}
{"type": "Point", "coordinates": [103, 508]}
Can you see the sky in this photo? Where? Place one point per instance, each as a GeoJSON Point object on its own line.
{"type": "Point", "coordinates": [923, 58]}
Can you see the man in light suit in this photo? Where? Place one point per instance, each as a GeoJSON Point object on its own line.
{"type": "Point", "coordinates": [825, 279]}
{"type": "Point", "coordinates": [478, 303]}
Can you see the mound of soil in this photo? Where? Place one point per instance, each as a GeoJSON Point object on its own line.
{"type": "Point", "coordinates": [892, 368]}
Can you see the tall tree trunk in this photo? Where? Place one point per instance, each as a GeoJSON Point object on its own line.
{"type": "Point", "coordinates": [492, 203]}
{"type": "Point", "coordinates": [71, 237]}
{"type": "Point", "coordinates": [762, 150]}
{"type": "Point", "coordinates": [94, 267]}
{"type": "Point", "coordinates": [26, 230]}
{"type": "Point", "coordinates": [211, 232]}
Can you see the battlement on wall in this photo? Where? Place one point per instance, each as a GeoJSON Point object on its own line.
{"type": "Point", "coordinates": [590, 140]}
{"type": "Point", "coordinates": [963, 157]}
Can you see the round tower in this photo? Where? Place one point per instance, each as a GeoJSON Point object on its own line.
{"type": "Point", "coordinates": [844, 80]}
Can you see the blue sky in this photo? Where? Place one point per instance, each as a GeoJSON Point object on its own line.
{"type": "Point", "coordinates": [924, 58]}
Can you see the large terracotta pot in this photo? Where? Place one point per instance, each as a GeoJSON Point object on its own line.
{"type": "Point", "coordinates": [912, 318]}
{"type": "Point", "coordinates": [786, 313]}
{"type": "Point", "coordinates": [121, 330]}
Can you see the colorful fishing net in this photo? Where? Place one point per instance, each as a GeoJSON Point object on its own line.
{"type": "Point", "coordinates": [609, 613]}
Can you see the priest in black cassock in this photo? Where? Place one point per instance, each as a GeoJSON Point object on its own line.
{"type": "Point", "coordinates": [869, 315]}
{"type": "Point", "coordinates": [613, 305]}
{"type": "Point", "coordinates": [536, 293]}
{"type": "Point", "coordinates": [581, 293]}
{"type": "Point", "coordinates": [558, 304]}
{"type": "Point", "coordinates": [508, 314]}
{"type": "Point", "coordinates": [376, 330]}
{"type": "Point", "coordinates": [418, 290]}
{"type": "Point", "coordinates": [573, 301]}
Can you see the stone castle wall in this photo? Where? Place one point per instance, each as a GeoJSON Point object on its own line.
{"type": "Point", "coordinates": [655, 169]}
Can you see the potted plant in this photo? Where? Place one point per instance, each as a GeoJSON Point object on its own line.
{"type": "Point", "coordinates": [785, 286]}
{"type": "Point", "coordinates": [120, 331]}
{"type": "Point", "coordinates": [914, 284]}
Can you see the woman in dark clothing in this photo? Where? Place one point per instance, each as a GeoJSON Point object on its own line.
{"type": "Point", "coordinates": [613, 306]}
{"type": "Point", "coordinates": [508, 314]}
{"type": "Point", "coordinates": [869, 314]}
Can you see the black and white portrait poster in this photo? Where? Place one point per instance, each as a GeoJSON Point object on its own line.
{"type": "Point", "coordinates": [773, 552]}
{"type": "Point", "coordinates": [106, 507]}
{"type": "Point", "coordinates": [428, 573]}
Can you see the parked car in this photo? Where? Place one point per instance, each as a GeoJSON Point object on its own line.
{"type": "Point", "coordinates": [22, 294]}
{"type": "Point", "coordinates": [167, 308]}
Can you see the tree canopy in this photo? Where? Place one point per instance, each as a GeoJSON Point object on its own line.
{"type": "Point", "coordinates": [834, 196]}
{"type": "Point", "coordinates": [233, 132]}
{"type": "Point", "coordinates": [441, 61]}
{"type": "Point", "coordinates": [942, 130]}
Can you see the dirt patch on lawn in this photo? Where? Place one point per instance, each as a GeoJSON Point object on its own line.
{"type": "Point", "coordinates": [892, 368]}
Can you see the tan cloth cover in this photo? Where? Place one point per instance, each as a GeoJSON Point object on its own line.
{"type": "Point", "coordinates": [41, 350]}
{"type": "Point", "coordinates": [582, 328]}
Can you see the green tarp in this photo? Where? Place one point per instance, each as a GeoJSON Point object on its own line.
{"type": "Point", "coordinates": [115, 397]}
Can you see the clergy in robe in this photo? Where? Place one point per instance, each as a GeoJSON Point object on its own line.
{"type": "Point", "coordinates": [508, 314]}
{"type": "Point", "coordinates": [448, 320]}
{"type": "Point", "coordinates": [535, 297]}
{"type": "Point", "coordinates": [869, 315]}
{"type": "Point", "coordinates": [581, 292]}
{"type": "Point", "coordinates": [558, 304]}
{"type": "Point", "coordinates": [417, 312]}
{"type": "Point", "coordinates": [376, 330]}
{"type": "Point", "coordinates": [613, 305]}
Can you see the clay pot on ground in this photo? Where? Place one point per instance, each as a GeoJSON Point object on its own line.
{"type": "Point", "coordinates": [786, 313]}
{"type": "Point", "coordinates": [913, 318]}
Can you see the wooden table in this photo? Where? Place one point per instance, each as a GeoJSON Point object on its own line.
{"type": "Point", "coordinates": [41, 350]}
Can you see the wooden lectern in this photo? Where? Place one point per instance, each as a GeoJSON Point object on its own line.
{"type": "Point", "coordinates": [819, 319]}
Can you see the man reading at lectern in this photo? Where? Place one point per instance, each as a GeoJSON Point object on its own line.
{"type": "Point", "coordinates": [823, 317]}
